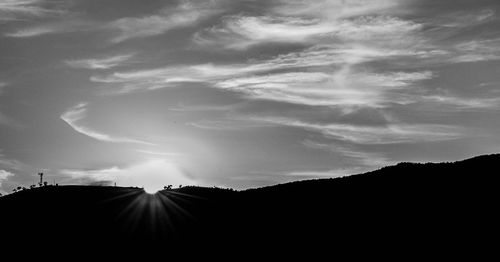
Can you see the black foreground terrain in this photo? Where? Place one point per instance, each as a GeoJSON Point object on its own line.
{"type": "Point", "coordinates": [398, 206]}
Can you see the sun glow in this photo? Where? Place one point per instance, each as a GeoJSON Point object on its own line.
{"type": "Point", "coordinates": [153, 175]}
{"type": "Point", "coordinates": [151, 190]}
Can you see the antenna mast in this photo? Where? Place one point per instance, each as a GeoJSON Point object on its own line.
{"type": "Point", "coordinates": [41, 179]}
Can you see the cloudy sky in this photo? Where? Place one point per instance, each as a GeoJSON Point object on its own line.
{"type": "Point", "coordinates": [242, 93]}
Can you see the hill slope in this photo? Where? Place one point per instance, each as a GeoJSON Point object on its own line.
{"type": "Point", "coordinates": [438, 202]}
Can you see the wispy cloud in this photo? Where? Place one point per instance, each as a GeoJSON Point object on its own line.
{"type": "Point", "coordinates": [34, 31]}
{"type": "Point", "coordinates": [157, 153]}
{"type": "Point", "coordinates": [100, 63]}
{"type": "Point", "coordinates": [226, 124]}
{"type": "Point", "coordinates": [43, 12]}
{"type": "Point", "coordinates": [362, 159]}
{"type": "Point", "coordinates": [351, 76]}
{"type": "Point", "coordinates": [321, 89]}
{"type": "Point", "coordinates": [23, 9]}
{"type": "Point", "coordinates": [332, 9]}
{"type": "Point", "coordinates": [341, 39]}
{"type": "Point", "coordinates": [69, 25]}
{"type": "Point", "coordinates": [261, 74]}
{"type": "Point", "coordinates": [454, 103]}
{"type": "Point", "coordinates": [11, 164]}
{"type": "Point", "coordinates": [241, 32]}
{"type": "Point", "coordinates": [453, 21]}
{"type": "Point", "coordinates": [477, 51]}
{"type": "Point", "coordinates": [141, 80]}
{"type": "Point", "coordinates": [324, 74]}
{"type": "Point", "coordinates": [310, 22]}
{"type": "Point", "coordinates": [151, 79]}
{"type": "Point", "coordinates": [187, 13]}
{"type": "Point", "coordinates": [73, 118]}
{"type": "Point", "coordinates": [389, 134]}
{"type": "Point", "coordinates": [202, 108]}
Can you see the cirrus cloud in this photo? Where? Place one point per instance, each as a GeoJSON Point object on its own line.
{"type": "Point", "coordinates": [390, 134]}
{"type": "Point", "coordinates": [187, 13]}
{"type": "Point", "coordinates": [77, 113]}
{"type": "Point", "coordinates": [100, 63]}
{"type": "Point", "coordinates": [23, 9]}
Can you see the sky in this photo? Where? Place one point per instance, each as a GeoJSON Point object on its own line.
{"type": "Point", "coordinates": [242, 93]}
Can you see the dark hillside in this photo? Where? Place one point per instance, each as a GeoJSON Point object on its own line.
{"type": "Point", "coordinates": [406, 201]}
{"type": "Point", "coordinates": [445, 202]}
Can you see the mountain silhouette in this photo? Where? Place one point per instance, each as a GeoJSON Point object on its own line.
{"type": "Point", "coordinates": [397, 207]}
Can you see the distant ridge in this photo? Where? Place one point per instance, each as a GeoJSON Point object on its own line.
{"type": "Point", "coordinates": [476, 170]}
